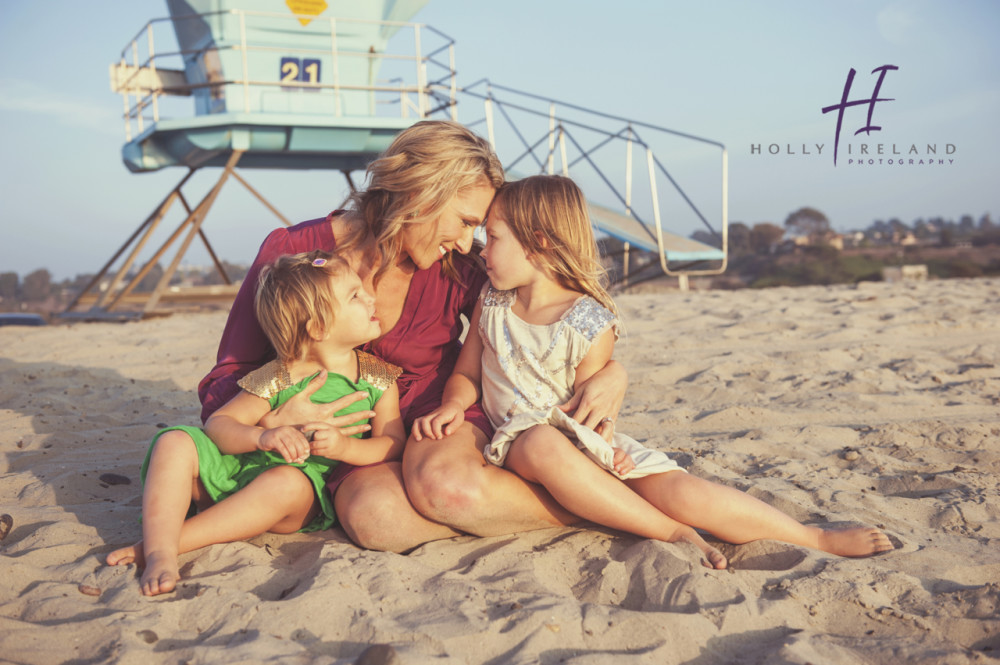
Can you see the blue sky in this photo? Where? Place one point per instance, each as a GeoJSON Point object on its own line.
{"type": "Point", "coordinates": [741, 73]}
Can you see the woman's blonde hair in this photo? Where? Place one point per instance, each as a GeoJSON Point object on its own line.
{"type": "Point", "coordinates": [412, 181]}
{"type": "Point", "coordinates": [548, 216]}
{"type": "Point", "coordinates": [293, 294]}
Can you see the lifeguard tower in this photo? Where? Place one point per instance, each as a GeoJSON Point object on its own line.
{"type": "Point", "coordinates": [296, 84]}
{"type": "Point", "coordinates": [314, 84]}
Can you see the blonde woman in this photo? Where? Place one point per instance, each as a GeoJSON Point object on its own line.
{"type": "Point", "coordinates": [541, 329]}
{"type": "Point", "coordinates": [409, 237]}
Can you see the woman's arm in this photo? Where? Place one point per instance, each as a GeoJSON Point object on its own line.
{"type": "Point", "coordinates": [600, 387]}
{"type": "Point", "coordinates": [299, 410]}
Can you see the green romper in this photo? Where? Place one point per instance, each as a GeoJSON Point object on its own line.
{"type": "Point", "coordinates": [223, 475]}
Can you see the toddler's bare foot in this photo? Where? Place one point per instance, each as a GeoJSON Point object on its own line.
{"type": "Point", "coordinates": [161, 574]}
{"type": "Point", "coordinates": [715, 558]}
{"type": "Point", "coordinates": [126, 555]}
{"type": "Point", "coordinates": [855, 542]}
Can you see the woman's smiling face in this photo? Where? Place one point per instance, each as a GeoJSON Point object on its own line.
{"type": "Point", "coordinates": [428, 242]}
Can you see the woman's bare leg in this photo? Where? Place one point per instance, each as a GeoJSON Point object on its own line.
{"type": "Point", "coordinates": [374, 511]}
{"type": "Point", "coordinates": [545, 456]}
{"type": "Point", "coordinates": [450, 482]}
{"type": "Point", "coordinates": [737, 517]}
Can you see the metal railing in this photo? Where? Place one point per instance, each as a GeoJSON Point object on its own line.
{"type": "Point", "coordinates": [576, 136]}
{"type": "Point", "coordinates": [144, 75]}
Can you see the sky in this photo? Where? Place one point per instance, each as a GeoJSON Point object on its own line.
{"type": "Point", "coordinates": [751, 76]}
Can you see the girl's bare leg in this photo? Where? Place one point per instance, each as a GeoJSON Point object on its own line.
{"type": "Point", "coordinates": [449, 482]}
{"type": "Point", "coordinates": [545, 456]}
{"type": "Point", "coordinates": [737, 517]}
{"type": "Point", "coordinates": [280, 500]}
{"type": "Point", "coordinates": [374, 511]}
{"type": "Point", "coordinates": [171, 481]}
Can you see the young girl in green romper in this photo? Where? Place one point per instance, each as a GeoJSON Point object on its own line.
{"type": "Point", "coordinates": [244, 479]}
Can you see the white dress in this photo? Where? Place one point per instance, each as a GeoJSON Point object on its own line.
{"type": "Point", "coordinates": [529, 369]}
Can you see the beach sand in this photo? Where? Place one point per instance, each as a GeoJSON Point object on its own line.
{"type": "Point", "coordinates": [875, 404]}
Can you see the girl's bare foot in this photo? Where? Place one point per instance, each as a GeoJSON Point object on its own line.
{"type": "Point", "coordinates": [715, 558]}
{"type": "Point", "coordinates": [126, 555]}
{"type": "Point", "coordinates": [160, 575]}
{"type": "Point", "coordinates": [160, 571]}
{"type": "Point", "coordinates": [854, 542]}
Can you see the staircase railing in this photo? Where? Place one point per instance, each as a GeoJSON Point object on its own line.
{"type": "Point", "coordinates": [537, 134]}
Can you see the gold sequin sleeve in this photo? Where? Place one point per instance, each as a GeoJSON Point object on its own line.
{"type": "Point", "coordinates": [376, 371]}
{"type": "Point", "coordinates": [267, 381]}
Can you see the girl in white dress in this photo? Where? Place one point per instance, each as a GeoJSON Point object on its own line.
{"type": "Point", "coordinates": [542, 327]}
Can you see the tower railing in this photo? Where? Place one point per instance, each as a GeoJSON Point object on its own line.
{"type": "Point", "coordinates": [227, 76]}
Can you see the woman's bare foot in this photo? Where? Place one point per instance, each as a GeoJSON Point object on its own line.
{"type": "Point", "coordinates": [858, 541]}
{"type": "Point", "coordinates": [715, 558]}
{"type": "Point", "coordinates": [126, 555]}
{"type": "Point", "coordinates": [161, 574]}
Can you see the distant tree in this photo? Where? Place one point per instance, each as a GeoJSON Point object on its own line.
{"type": "Point", "coordinates": [986, 222]}
{"type": "Point", "coordinates": [37, 285]}
{"type": "Point", "coordinates": [739, 238]}
{"type": "Point", "coordinates": [8, 285]}
{"type": "Point", "coordinates": [947, 237]}
{"type": "Point", "coordinates": [922, 230]}
{"type": "Point", "coordinates": [966, 225]}
{"type": "Point", "coordinates": [898, 227]}
{"type": "Point", "coordinates": [810, 223]}
{"type": "Point", "coordinates": [764, 236]}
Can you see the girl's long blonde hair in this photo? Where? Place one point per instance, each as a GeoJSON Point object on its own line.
{"type": "Point", "coordinates": [414, 179]}
{"type": "Point", "coordinates": [548, 216]}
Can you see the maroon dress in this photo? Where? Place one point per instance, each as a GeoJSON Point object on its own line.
{"type": "Point", "coordinates": [424, 342]}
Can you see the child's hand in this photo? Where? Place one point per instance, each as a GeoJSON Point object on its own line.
{"type": "Point", "coordinates": [288, 442]}
{"type": "Point", "coordinates": [329, 441]}
{"type": "Point", "coordinates": [441, 422]}
{"type": "Point", "coordinates": [622, 462]}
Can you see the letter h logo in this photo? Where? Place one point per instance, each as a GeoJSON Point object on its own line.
{"type": "Point", "coordinates": [869, 128]}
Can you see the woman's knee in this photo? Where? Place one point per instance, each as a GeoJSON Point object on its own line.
{"type": "Point", "coordinates": [369, 505]}
{"type": "Point", "coordinates": [445, 478]}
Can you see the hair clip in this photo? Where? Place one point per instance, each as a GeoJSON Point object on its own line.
{"type": "Point", "coordinates": [319, 263]}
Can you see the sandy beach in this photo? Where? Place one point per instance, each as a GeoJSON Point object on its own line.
{"type": "Point", "coordinates": [875, 404]}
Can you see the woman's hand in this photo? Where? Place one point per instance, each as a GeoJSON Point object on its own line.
{"type": "Point", "coordinates": [441, 422]}
{"type": "Point", "coordinates": [299, 409]}
{"type": "Point", "coordinates": [600, 397]}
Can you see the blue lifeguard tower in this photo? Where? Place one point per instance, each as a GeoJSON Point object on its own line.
{"type": "Point", "coordinates": [296, 84]}
{"type": "Point", "coordinates": [315, 84]}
